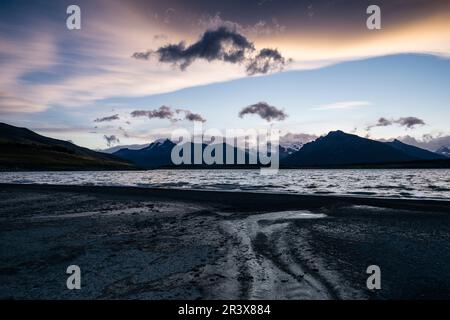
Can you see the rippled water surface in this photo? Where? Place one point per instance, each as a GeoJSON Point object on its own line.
{"type": "Point", "coordinates": [410, 183]}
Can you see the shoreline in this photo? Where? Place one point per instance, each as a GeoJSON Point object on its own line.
{"type": "Point", "coordinates": [134, 243]}
{"type": "Point", "coordinates": [245, 200]}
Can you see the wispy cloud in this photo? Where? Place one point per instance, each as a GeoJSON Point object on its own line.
{"type": "Point", "coordinates": [407, 122]}
{"type": "Point", "coordinates": [111, 140]}
{"type": "Point", "coordinates": [12, 104]}
{"type": "Point", "coordinates": [342, 105]}
{"type": "Point", "coordinates": [410, 122]}
{"type": "Point", "coordinates": [269, 27]}
{"type": "Point", "coordinates": [108, 119]}
{"type": "Point", "coordinates": [102, 69]}
{"type": "Point", "coordinates": [165, 112]}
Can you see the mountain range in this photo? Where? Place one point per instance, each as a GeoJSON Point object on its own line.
{"type": "Point", "coordinates": [343, 149]}
{"type": "Point", "coordinates": [24, 149]}
{"type": "Point", "coordinates": [158, 154]}
{"type": "Point", "coordinates": [335, 149]}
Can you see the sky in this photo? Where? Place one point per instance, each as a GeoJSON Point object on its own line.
{"type": "Point", "coordinates": [138, 70]}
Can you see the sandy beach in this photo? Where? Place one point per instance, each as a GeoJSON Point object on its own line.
{"type": "Point", "coordinates": [170, 245]}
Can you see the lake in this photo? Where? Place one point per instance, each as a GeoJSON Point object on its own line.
{"type": "Point", "coordinates": [404, 183]}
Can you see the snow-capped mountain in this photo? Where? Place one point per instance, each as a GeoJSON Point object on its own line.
{"type": "Point", "coordinates": [335, 149]}
{"type": "Point", "coordinates": [117, 148]}
{"type": "Point", "coordinates": [286, 149]}
{"type": "Point", "coordinates": [340, 148]}
{"type": "Point", "coordinates": [445, 151]}
{"type": "Point", "coordinates": [133, 146]}
{"type": "Point", "coordinates": [156, 154]}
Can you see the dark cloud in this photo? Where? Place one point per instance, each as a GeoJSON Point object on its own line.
{"type": "Point", "coordinates": [194, 117]}
{"type": "Point", "coordinates": [165, 112]}
{"type": "Point", "coordinates": [142, 55]}
{"type": "Point", "coordinates": [221, 44]}
{"type": "Point", "coordinates": [162, 112]}
{"type": "Point", "coordinates": [267, 60]}
{"type": "Point", "coordinates": [190, 116]}
{"type": "Point", "coordinates": [107, 119]}
{"type": "Point", "coordinates": [124, 132]}
{"type": "Point", "coordinates": [382, 122]}
{"type": "Point", "coordinates": [265, 111]}
{"type": "Point", "coordinates": [408, 122]}
{"type": "Point", "coordinates": [111, 140]}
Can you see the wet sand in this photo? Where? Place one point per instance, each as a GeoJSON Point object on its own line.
{"type": "Point", "coordinates": [138, 245]}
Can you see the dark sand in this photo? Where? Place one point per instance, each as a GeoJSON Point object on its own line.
{"type": "Point", "coordinates": [133, 245]}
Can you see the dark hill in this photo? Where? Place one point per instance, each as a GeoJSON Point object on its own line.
{"type": "Point", "coordinates": [23, 149]}
{"type": "Point", "coordinates": [415, 151]}
{"type": "Point", "coordinates": [339, 148]}
{"type": "Point", "coordinates": [158, 155]}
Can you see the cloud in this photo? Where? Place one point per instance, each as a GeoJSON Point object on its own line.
{"type": "Point", "coordinates": [30, 52]}
{"type": "Point", "coordinates": [427, 141]}
{"type": "Point", "coordinates": [265, 111]}
{"type": "Point", "coordinates": [142, 55]}
{"type": "Point", "coordinates": [124, 132]}
{"type": "Point", "coordinates": [107, 119]}
{"type": "Point", "coordinates": [194, 117]}
{"type": "Point", "coordinates": [11, 104]}
{"type": "Point", "coordinates": [161, 36]}
{"type": "Point", "coordinates": [97, 68]}
{"type": "Point", "coordinates": [264, 28]}
{"type": "Point", "coordinates": [267, 60]}
{"type": "Point", "coordinates": [260, 28]}
{"type": "Point", "coordinates": [165, 112]}
{"type": "Point", "coordinates": [297, 138]}
{"type": "Point", "coordinates": [188, 115]}
{"type": "Point", "coordinates": [162, 112]}
{"type": "Point", "coordinates": [111, 140]}
{"type": "Point", "coordinates": [168, 15]}
{"type": "Point", "coordinates": [408, 122]}
{"type": "Point", "coordinates": [221, 44]}
{"type": "Point", "coordinates": [343, 105]}
{"type": "Point", "coordinates": [46, 130]}
{"type": "Point", "coordinates": [382, 122]}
